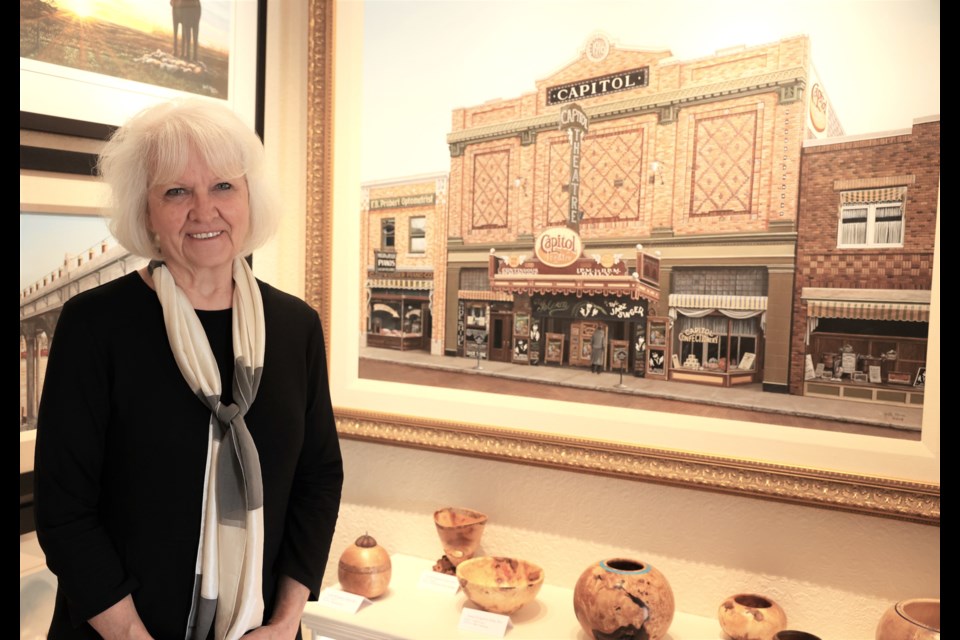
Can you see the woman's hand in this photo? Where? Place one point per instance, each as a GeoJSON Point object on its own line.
{"type": "Point", "coordinates": [120, 621]}
{"type": "Point", "coordinates": [273, 632]}
{"type": "Point", "coordinates": [285, 622]}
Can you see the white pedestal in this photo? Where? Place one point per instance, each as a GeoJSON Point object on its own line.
{"type": "Point", "coordinates": [406, 611]}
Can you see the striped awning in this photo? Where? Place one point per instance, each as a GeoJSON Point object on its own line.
{"type": "Point", "coordinates": [698, 301]}
{"type": "Point", "coordinates": [401, 283]}
{"type": "Point", "coordinates": [869, 196]}
{"type": "Point", "coordinates": [576, 285]}
{"type": "Point", "coordinates": [868, 304]}
{"type": "Point", "coordinates": [492, 296]}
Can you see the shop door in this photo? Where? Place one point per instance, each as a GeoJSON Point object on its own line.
{"type": "Point", "coordinates": [658, 347]}
{"type": "Point", "coordinates": [581, 334]}
{"type": "Point", "coordinates": [427, 327]}
{"type": "Point", "coordinates": [501, 332]}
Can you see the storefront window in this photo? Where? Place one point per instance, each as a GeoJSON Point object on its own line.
{"type": "Point", "coordinates": [385, 318]}
{"type": "Point", "coordinates": [412, 322]}
{"type": "Point", "coordinates": [868, 351]}
{"type": "Point", "coordinates": [743, 343]}
{"type": "Point", "coordinates": [700, 341]}
{"type": "Point", "coordinates": [716, 343]}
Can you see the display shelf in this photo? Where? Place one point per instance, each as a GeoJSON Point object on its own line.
{"type": "Point", "coordinates": [882, 394]}
{"type": "Point", "coordinates": [715, 378]}
{"type": "Point", "coordinates": [407, 611]}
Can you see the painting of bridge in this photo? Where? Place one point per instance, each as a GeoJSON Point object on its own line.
{"type": "Point", "coordinates": [42, 299]}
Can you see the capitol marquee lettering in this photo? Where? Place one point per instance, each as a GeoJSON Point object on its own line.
{"type": "Point", "coordinates": [558, 247]}
{"type": "Point", "coordinates": [591, 87]}
{"type": "Point", "coordinates": [574, 121]}
{"type": "Point", "coordinates": [573, 117]}
{"type": "Point", "coordinates": [556, 243]}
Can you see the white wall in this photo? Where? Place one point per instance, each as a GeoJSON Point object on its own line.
{"type": "Point", "coordinates": [281, 262]}
{"type": "Point", "coordinates": [833, 572]}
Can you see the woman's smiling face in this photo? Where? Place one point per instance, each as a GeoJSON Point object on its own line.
{"type": "Point", "coordinates": [200, 219]}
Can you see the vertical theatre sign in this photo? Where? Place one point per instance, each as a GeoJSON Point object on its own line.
{"type": "Point", "coordinates": [573, 120]}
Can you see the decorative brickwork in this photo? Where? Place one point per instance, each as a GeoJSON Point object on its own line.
{"type": "Point", "coordinates": [868, 270]}
{"type": "Point", "coordinates": [708, 148]}
{"type": "Point", "coordinates": [724, 149]}
{"type": "Point", "coordinates": [611, 166]}
{"type": "Point", "coordinates": [491, 188]}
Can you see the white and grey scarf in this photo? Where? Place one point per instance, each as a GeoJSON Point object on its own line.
{"type": "Point", "coordinates": [228, 589]}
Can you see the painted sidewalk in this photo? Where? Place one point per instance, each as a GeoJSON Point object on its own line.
{"type": "Point", "coordinates": [744, 397]}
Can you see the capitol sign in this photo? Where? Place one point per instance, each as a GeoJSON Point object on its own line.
{"type": "Point", "coordinates": [558, 247]}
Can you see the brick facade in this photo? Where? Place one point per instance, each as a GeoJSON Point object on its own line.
{"type": "Point", "coordinates": [432, 258]}
{"type": "Point", "coordinates": [725, 132]}
{"type": "Point", "coordinates": [910, 160]}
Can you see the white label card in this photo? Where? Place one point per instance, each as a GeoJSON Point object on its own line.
{"type": "Point", "coordinates": [440, 582]}
{"type": "Point", "coordinates": [491, 624]}
{"type": "Point", "coordinates": [341, 600]}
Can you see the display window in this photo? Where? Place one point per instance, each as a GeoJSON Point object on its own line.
{"type": "Point", "coordinates": [399, 322]}
{"type": "Point", "coordinates": [873, 352]}
{"type": "Point", "coordinates": [385, 318]}
{"type": "Point", "coordinates": [397, 317]}
{"type": "Point", "coordinates": [717, 343]}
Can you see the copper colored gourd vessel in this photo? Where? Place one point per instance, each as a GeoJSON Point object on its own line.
{"type": "Point", "coordinates": [365, 568]}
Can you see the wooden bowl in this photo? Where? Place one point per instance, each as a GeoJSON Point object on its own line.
{"type": "Point", "coordinates": [499, 585]}
{"type": "Point", "coordinates": [460, 531]}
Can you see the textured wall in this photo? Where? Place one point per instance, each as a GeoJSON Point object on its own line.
{"type": "Point", "coordinates": [834, 573]}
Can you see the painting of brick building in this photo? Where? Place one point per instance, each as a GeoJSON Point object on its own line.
{"type": "Point", "coordinates": [696, 161]}
{"type": "Point", "coordinates": [865, 251]}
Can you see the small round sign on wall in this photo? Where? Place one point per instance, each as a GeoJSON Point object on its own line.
{"type": "Point", "coordinates": [558, 246]}
{"type": "Point", "coordinates": [818, 108]}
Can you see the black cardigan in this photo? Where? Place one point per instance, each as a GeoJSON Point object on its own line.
{"type": "Point", "coordinates": [121, 451]}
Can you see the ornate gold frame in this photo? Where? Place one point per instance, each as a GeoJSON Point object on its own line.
{"type": "Point", "coordinates": [906, 500]}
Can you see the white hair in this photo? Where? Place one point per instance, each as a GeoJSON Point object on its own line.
{"type": "Point", "coordinates": [153, 148]}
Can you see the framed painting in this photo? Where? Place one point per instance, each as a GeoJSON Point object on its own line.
{"type": "Point", "coordinates": [100, 62]}
{"type": "Point", "coordinates": [879, 476]}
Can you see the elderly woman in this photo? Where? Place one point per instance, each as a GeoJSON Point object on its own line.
{"type": "Point", "coordinates": [188, 469]}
